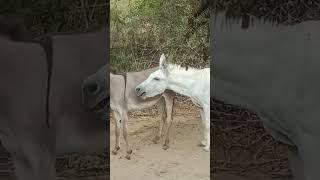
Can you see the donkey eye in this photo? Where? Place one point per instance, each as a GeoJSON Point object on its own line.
{"type": "Point", "coordinates": [157, 79]}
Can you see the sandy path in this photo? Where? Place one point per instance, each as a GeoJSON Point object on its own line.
{"type": "Point", "coordinates": [184, 160]}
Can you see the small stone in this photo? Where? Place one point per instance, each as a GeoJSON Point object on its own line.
{"type": "Point", "coordinates": [163, 171]}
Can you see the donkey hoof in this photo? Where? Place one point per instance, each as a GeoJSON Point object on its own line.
{"type": "Point", "coordinates": [206, 148]}
{"type": "Point", "coordinates": [156, 139]}
{"type": "Point", "coordinates": [129, 151]}
{"type": "Point", "coordinates": [115, 150]}
{"type": "Point", "coordinates": [202, 143]}
{"type": "Point", "coordinates": [165, 147]}
{"type": "Point", "coordinates": [128, 156]}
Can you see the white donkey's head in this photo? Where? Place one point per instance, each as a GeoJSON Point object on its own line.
{"type": "Point", "coordinates": [156, 83]}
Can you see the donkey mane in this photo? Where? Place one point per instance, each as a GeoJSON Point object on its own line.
{"type": "Point", "coordinates": [177, 67]}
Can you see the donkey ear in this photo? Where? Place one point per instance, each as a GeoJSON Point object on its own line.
{"type": "Point", "coordinates": [163, 63]}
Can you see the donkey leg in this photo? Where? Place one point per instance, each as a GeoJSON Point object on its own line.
{"type": "Point", "coordinates": [203, 142]}
{"type": "Point", "coordinates": [44, 165]}
{"type": "Point", "coordinates": [206, 129]}
{"type": "Point", "coordinates": [23, 168]}
{"type": "Point", "coordinates": [169, 108]}
{"type": "Point", "coordinates": [35, 166]}
{"type": "Point", "coordinates": [162, 112]}
{"type": "Point", "coordinates": [35, 158]}
{"type": "Point", "coordinates": [309, 152]}
{"type": "Point", "coordinates": [296, 164]}
{"type": "Point", "coordinates": [125, 134]}
{"type": "Point", "coordinates": [117, 132]}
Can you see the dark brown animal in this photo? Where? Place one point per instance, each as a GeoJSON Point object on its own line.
{"type": "Point", "coordinates": [42, 116]}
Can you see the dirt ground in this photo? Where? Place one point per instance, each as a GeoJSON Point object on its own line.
{"type": "Point", "coordinates": [233, 177]}
{"type": "Point", "coordinates": [184, 160]}
{"type": "Point", "coordinates": [242, 148]}
{"type": "Point", "coordinates": [69, 166]}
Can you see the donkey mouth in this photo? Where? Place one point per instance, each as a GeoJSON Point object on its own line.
{"type": "Point", "coordinates": [102, 108]}
{"type": "Point", "coordinates": [142, 94]}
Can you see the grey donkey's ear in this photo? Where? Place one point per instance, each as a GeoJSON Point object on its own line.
{"type": "Point", "coordinates": [163, 64]}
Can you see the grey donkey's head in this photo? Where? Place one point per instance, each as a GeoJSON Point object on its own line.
{"type": "Point", "coordinates": [95, 92]}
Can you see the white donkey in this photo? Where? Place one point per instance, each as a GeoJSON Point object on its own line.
{"type": "Point", "coordinates": [194, 83]}
{"type": "Point", "coordinates": [124, 99]}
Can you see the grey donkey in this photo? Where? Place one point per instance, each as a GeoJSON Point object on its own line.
{"type": "Point", "coordinates": [123, 99]}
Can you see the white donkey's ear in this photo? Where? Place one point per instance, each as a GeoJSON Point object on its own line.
{"type": "Point", "coordinates": [163, 64]}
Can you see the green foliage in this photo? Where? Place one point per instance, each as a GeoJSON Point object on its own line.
{"type": "Point", "coordinates": [50, 16]}
{"type": "Point", "coordinates": [279, 11]}
{"type": "Point", "coordinates": [143, 29]}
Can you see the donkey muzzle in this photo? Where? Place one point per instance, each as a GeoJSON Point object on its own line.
{"type": "Point", "coordinates": [140, 92]}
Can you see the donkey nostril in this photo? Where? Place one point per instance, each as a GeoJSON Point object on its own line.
{"type": "Point", "coordinates": [93, 88]}
{"type": "Point", "coordinates": [138, 89]}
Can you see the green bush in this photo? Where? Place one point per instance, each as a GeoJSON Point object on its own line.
{"type": "Point", "coordinates": [143, 29]}
{"type": "Point", "coordinates": [51, 16]}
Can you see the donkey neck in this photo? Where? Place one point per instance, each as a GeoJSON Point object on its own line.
{"type": "Point", "coordinates": [184, 82]}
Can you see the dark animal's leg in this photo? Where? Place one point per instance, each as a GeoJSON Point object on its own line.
{"type": "Point", "coordinates": [296, 164]}
{"type": "Point", "coordinates": [125, 133]}
{"type": "Point", "coordinates": [169, 99]}
{"type": "Point", "coordinates": [35, 166]}
{"type": "Point", "coordinates": [32, 146]}
{"type": "Point", "coordinates": [117, 132]}
{"type": "Point", "coordinates": [162, 112]}
{"type": "Point", "coordinates": [23, 168]}
{"type": "Point", "coordinates": [309, 152]}
{"type": "Point", "coordinates": [34, 157]}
